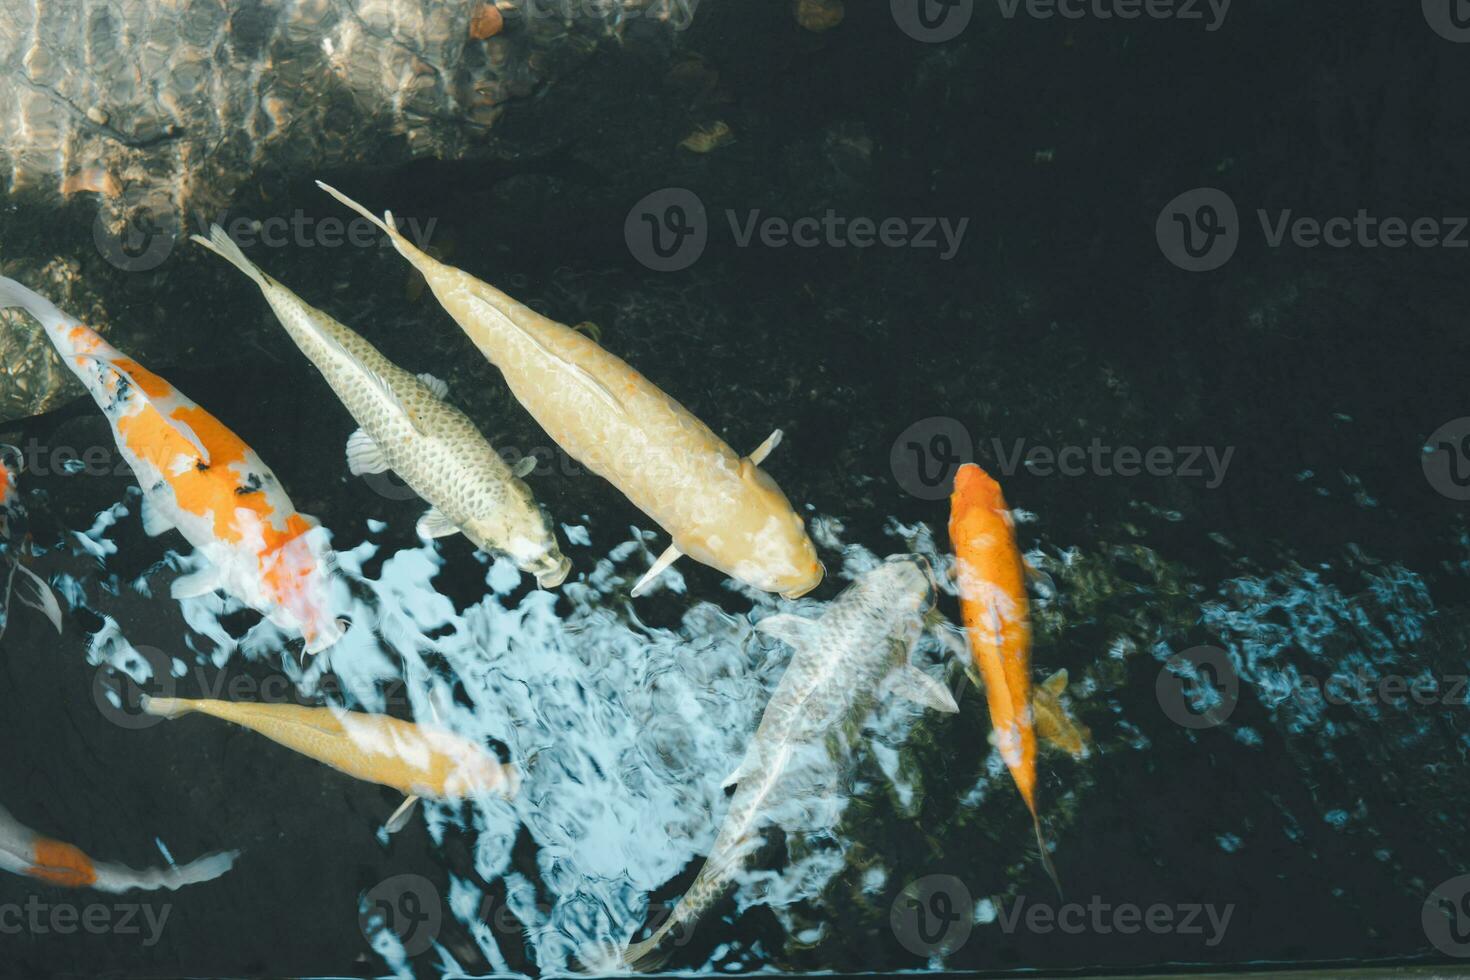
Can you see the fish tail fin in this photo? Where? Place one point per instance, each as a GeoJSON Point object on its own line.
{"type": "Point", "coordinates": [649, 956]}
{"type": "Point", "coordinates": [207, 868]}
{"type": "Point", "coordinates": [1051, 869]}
{"type": "Point", "coordinates": [385, 224]}
{"type": "Point", "coordinates": [224, 246]}
{"type": "Point", "coordinates": [13, 294]}
{"type": "Point", "coordinates": [165, 707]}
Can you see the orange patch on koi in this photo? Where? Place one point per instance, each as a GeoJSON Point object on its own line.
{"type": "Point", "coordinates": [61, 864]}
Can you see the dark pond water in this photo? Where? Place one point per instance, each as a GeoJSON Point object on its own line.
{"type": "Point", "coordinates": [1241, 461]}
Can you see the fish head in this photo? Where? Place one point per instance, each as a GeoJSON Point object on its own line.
{"type": "Point", "coordinates": [975, 488]}
{"type": "Point", "coordinates": [298, 581]}
{"type": "Point", "coordinates": [764, 542]}
{"type": "Point", "coordinates": [903, 584]}
{"type": "Point", "coordinates": [536, 554]}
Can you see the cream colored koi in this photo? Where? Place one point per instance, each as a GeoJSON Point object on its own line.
{"type": "Point", "coordinates": [721, 509]}
{"type": "Point", "coordinates": [417, 760]}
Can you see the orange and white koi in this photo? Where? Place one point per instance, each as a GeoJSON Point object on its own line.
{"type": "Point", "coordinates": [25, 852]}
{"type": "Point", "coordinates": [992, 587]}
{"type": "Point", "coordinates": [201, 478]}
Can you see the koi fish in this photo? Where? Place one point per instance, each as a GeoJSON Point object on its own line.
{"type": "Point", "coordinates": [992, 588]}
{"type": "Point", "coordinates": [199, 477]}
{"type": "Point", "coordinates": [25, 852]}
{"type": "Point", "coordinates": [38, 594]}
{"type": "Point", "coordinates": [417, 760]}
{"type": "Point", "coordinates": [840, 664]}
{"type": "Point", "coordinates": [408, 426]}
{"type": "Point", "coordinates": [1054, 725]}
{"type": "Point", "coordinates": [721, 510]}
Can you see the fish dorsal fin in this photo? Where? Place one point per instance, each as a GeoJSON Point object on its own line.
{"type": "Point", "coordinates": [364, 455]}
{"type": "Point", "coordinates": [911, 683]}
{"type": "Point", "coordinates": [435, 525]}
{"type": "Point", "coordinates": [178, 425]}
{"type": "Point", "coordinates": [373, 377]}
{"type": "Point", "coordinates": [575, 370]}
{"type": "Point", "coordinates": [438, 386]}
{"type": "Point", "coordinates": [795, 631]}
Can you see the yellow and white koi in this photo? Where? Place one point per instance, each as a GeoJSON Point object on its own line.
{"type": "Point", "coordinates": [201, 478]}
{"type": "Point", "coordinates": [25, 852]}
{"type": "Point", "coordinates": [721, 510]}
{"type": "Point", "coordinates": [409, 427]}
{"type": "Point", "coordinates": [417, 760]}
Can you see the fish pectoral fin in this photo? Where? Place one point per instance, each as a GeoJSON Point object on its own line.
{"type": "Point", "coordinates": [1039, 580]}
{"type": "Point", "coordinates": [155, 522]}
{"type": "Point", "coordinates": [747, 766]}
{"type": "Point", "coordinates": [400, 816]}
{"type": "Point", "coordinates": [363, 455]}
{"type": "Point", "coordinates": [671, 554]}
{"type": "Point", "coordinates": [43, 600]}
{"type": "Point", "coordinates": [435, 525]}
{"type": "Point", "coordinates": [913, 684]}
{"type": "Point", "coordinates": [195, 584]}
{"type": "Point", "coordinates": [1056, 684]}
{"type": "Point", "coordinates": [524, 467]}
{"type": "Point", "coordinates": [438, 386]}
{"type": "Point", "coordinates": [792, 630]}
{"type": "Point", "coordinates": [764, 449]}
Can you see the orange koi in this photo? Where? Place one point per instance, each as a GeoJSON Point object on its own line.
{"type": "Point", "coordinates": [992, 585]}
{"type": "Point", "coordinates": [199, 477]}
